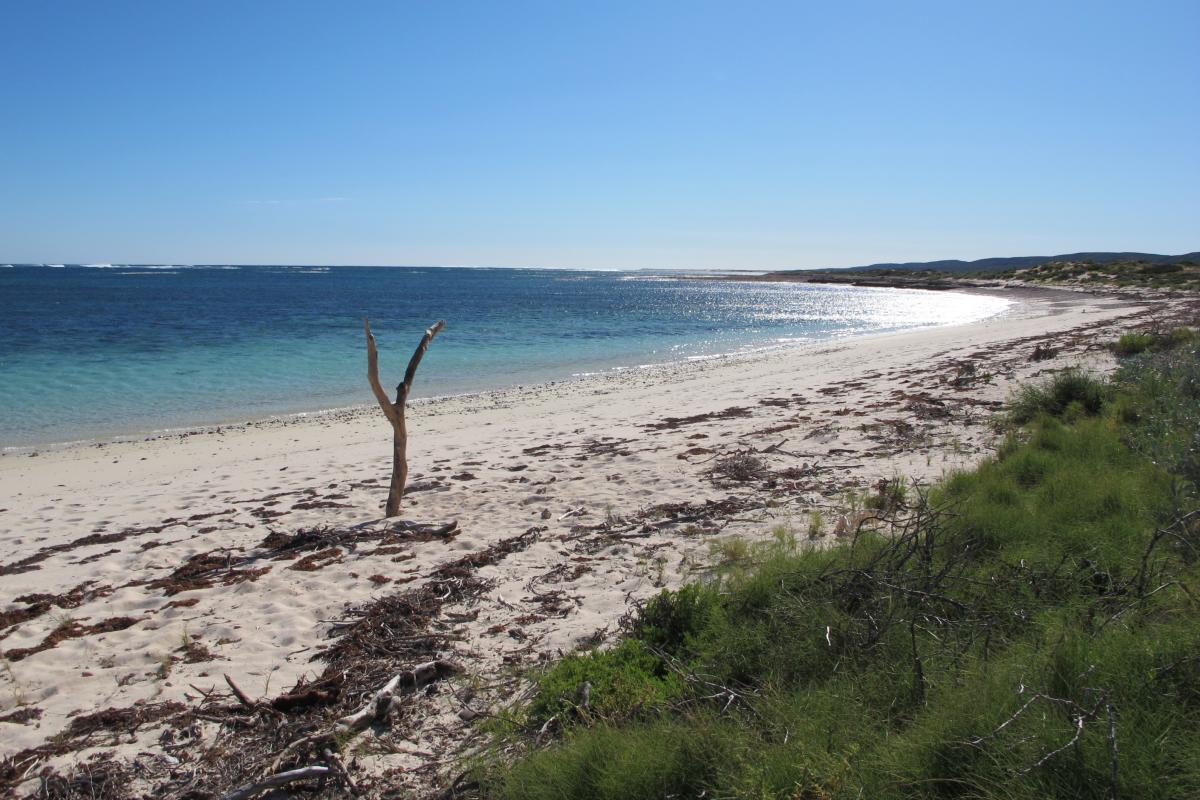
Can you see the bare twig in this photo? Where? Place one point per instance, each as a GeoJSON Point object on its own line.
{"type": "Point", "coordinates": [1112, 748]}
{"type": "Point", "coordinates": [242, 697]}
{"type": "Point", "coordinates": [275, 781]}
{"type": "Point", "coordinates": [1079, 722]}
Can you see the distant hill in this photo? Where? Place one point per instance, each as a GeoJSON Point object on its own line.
{"type": "Point", "coordinates": [1024, 262]}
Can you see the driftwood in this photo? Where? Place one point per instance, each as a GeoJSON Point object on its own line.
{"type": "Point", "coordinates": [242, 697]}
{"type": "Point", "coordinates": [420, 529]}
{"type": "Point", "coordinates": [275, 781]}
{"type": "Point", "coordinates": [375, 710]}
{"type": "Point", "coordinates": [394, 411]}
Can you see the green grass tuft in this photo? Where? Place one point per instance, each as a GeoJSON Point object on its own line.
{"type": "Point", "coordinates": [1136, 342]}
{"type": "Point", "coordinates": [622, 682]}
{"type": "Point", "coordinates": [1132, 343]}
{"type": "Point", "coordinates": [1072, 392]}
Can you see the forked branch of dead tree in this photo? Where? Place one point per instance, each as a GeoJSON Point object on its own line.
{"type": "Point", "coordinates": [394, 411]}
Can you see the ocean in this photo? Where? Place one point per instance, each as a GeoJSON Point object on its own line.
{"type": "Point", "coordinates": [96, 352]}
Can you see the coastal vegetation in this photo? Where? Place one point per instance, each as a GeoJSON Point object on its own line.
{"type": "Point", "coordinates": [1027, 628]}
{"type": "Point", "coordinates": [1098, 270]}
{"type": "Point", "coordinates": [1182, 274]}
{"type": "Point", "coordinates": [1136, 342]}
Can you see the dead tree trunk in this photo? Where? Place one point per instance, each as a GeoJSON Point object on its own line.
{"type": "Point", "coordinates": [395, 411]}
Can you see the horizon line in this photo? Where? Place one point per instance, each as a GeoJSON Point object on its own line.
{"type": "Point", "coordinates": [326, 265]}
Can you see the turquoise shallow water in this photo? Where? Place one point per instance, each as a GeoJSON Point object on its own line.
{"type": "Point", "coordinates": [90, 352]}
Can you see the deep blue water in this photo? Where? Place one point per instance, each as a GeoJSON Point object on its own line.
{"type": "Point", "coordinates": [91, 352]}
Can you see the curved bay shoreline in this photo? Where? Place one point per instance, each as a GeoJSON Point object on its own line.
{"type": "Point", "coordinates": [665, 371]}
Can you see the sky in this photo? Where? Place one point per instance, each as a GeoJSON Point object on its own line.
{"type": "Point", "coordinates": [692, 135]}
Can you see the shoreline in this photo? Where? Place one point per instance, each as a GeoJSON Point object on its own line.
{"type": "Point", "coordinates": [284, 419]}
{"type": "Point", "coordinates": [137, 570]}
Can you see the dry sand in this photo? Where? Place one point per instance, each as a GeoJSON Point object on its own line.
{"type": "Point", "coordinates": [98, 614]}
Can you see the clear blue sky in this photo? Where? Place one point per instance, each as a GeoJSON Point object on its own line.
{"type": "Point", "coordinates": [595, 134]}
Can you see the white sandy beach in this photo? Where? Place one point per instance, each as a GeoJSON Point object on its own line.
{"type": "Point", "coordinates": [567, 459]}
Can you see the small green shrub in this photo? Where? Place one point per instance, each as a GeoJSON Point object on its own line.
{"type": "Point", "coordinates": [1056, 396]}
{"type": "Point", "coordinates": [1133, 343]}
{"type": "Point", "coordinates": [890, 496]}
{"type": "Point", "coordinates": [669, 620]}
{"type": "Point", "coordinates": [1160, 269]}
{"type": "Point", "coordinates": [816, 523]}
{"type": "Point", "coordinates": [624, 681]}
{"type": "Point", "coordinates": [1182, 335]}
